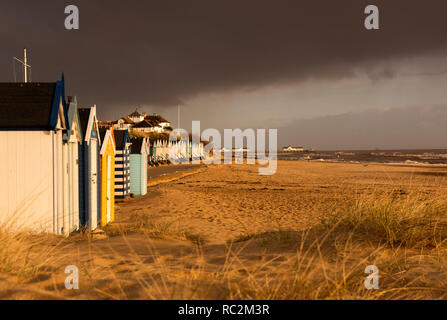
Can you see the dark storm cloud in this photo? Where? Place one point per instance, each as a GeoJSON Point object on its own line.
{"type": "Point", "coordinates": [161, 52]}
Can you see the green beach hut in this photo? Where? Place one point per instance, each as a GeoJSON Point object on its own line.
{"type": "Point", "coordinates": [138, 166]}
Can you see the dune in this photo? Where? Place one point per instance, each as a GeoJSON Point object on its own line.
{"type": "Point", "coordinates": [224, 232]}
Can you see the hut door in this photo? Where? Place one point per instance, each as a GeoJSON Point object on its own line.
{"type": "Point", "coordinates": [93, 184]}
{"type": "Point", "coordinates": [109, 186]}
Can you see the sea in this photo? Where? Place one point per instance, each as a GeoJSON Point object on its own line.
{"type": "Point", "coordinates": [410, 157]}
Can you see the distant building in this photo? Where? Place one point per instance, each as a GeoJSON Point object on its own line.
{"type": "Point", "coordinates": [105, 124]}
{"type": "Point", "coordinates": [293, 149]}
{"type": "Point", "coordinates": [152, 124]}
{"type": "Point", "coordinates": [143, 123]}
{"type": "Point", "coordinates": [144, 126]}
{"type": "Point", "coordinates": [137, 117]}
{"type": "Point", "coordinates": [125, 123]}
{"type": "Point", "coordinates": [159, 121]}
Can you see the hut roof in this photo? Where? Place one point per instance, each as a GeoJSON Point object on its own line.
{"type": "Point", "coordinates": [102, 133]}
{"type": "Point", "coordinates": [84, 115]}
{"type": "Point", "coordinates": [30, 105]}
{"type": "Point", "coordinates": [72, 116]}
{"type": "Point", "coordinates": [89, 122]}
{"type": "Point", "coordinates": [137, 144]}
{"type": "Point", "coordinates": [121, 138]}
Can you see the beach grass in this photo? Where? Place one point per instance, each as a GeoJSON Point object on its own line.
{"type": "Point", "coordinates": [401, 229]}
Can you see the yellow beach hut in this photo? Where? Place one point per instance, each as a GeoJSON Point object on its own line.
{"type": "Point", "coordinates": [108, 150]}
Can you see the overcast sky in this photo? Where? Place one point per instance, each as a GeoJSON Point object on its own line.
{"type": "Point", "coordinates": [308, 68]}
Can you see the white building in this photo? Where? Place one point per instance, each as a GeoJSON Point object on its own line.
{"type": "Point", "coordinates": [293, 149]}
{"type": "Point", "coordinates": [125, 123]}
{"type": "Point", "coordinates": [137, 117]}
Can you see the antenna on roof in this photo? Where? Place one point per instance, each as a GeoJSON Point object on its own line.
{"type": "Point", "coordinates": [25, 65]}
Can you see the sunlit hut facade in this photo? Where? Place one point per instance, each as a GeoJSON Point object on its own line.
{"type": "Point", "coordinates": [89, 171]}
{"type": "Point", "coordinates": [122, 164]}
{"type": "Point", "coordinates": [32, 123]}
{"type": "Point", "coordinates": [108, 152]}
{"type": "Point", "coordinates": [72, 138]}
{"type": "Point", "coordinates": [138, 166]}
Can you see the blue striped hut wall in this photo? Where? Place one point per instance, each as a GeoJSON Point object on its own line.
{"type": "Point", "coordinates": [122, 164]}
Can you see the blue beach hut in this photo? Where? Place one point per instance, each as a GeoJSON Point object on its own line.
{"type": "Point", "coordinates": [89, 171]}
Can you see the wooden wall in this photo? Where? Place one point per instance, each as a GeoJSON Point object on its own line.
{"type": "Point", "coordinates": [26, 180]}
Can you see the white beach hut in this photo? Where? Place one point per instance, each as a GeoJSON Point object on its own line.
{"type": "Point", "coordinates": [32, 122]}
{"type": "Point", "coordinates": [72, 138]}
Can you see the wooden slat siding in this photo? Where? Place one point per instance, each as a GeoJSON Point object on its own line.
{"type": "Point", "coordinates": [122, 174]}
{"type": "Point", "coordinates": [98, 166]}
{"type": "Point", "coordinates": [135, 174]}
{"type": "Point", "coordinates": [26, 172]}
{"type": "Point", "coordinates": [84, 184]}
{"type": "Point", "coordinates": [138, 174]}
{"type": "Point", "coordinates": [84, 202]}
{"type": "Point", "coordinates": [123, 164]}
{"type": "Point", "coordinates": [73, 186]}
{"type": "Point", "coordinates": [105, 167]}
{"type": "Point", "coordinates": [60, 183]}
{"type": "Point", "coordinates": [124, 168]}
{"type": "Point", "coordinates": [144, 173]}
{"type": "Point", "coordinates": [66, 192]}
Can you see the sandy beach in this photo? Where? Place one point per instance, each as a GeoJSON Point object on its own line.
{"type": "Point", "coordinates": [224, 232]}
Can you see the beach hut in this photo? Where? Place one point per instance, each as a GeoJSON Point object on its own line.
{"type": "Point", "coordinates": [164, 151]}
{"type": "Point", "coordinates": [151, 151]}
{"type": "Point", "coordinates": [89, 170]}
{"type": "Point", "coordinates": [138, 166]}
{"type": "Point", "coordinates": [202, 151]}
{"type": "Point", "coordinates": [108, 152]}
{"type": "Point", "coordinates": [72, 138]}
{"type": "Point", "coordinates": [195, 151]}
{"type": "Point", "coordinates": [122, 164]}
{"type": "Point", "coordinates": [157, 151]}
{"type": "Point", "coordinates": [32, 120]}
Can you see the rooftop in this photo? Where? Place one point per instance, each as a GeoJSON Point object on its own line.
{"type": "Point", "coordinates": [136, 114]}
{"type": "Point", "coordinates": [26, 105]}
{"type": "Point", "coordinates": [156, 119]}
